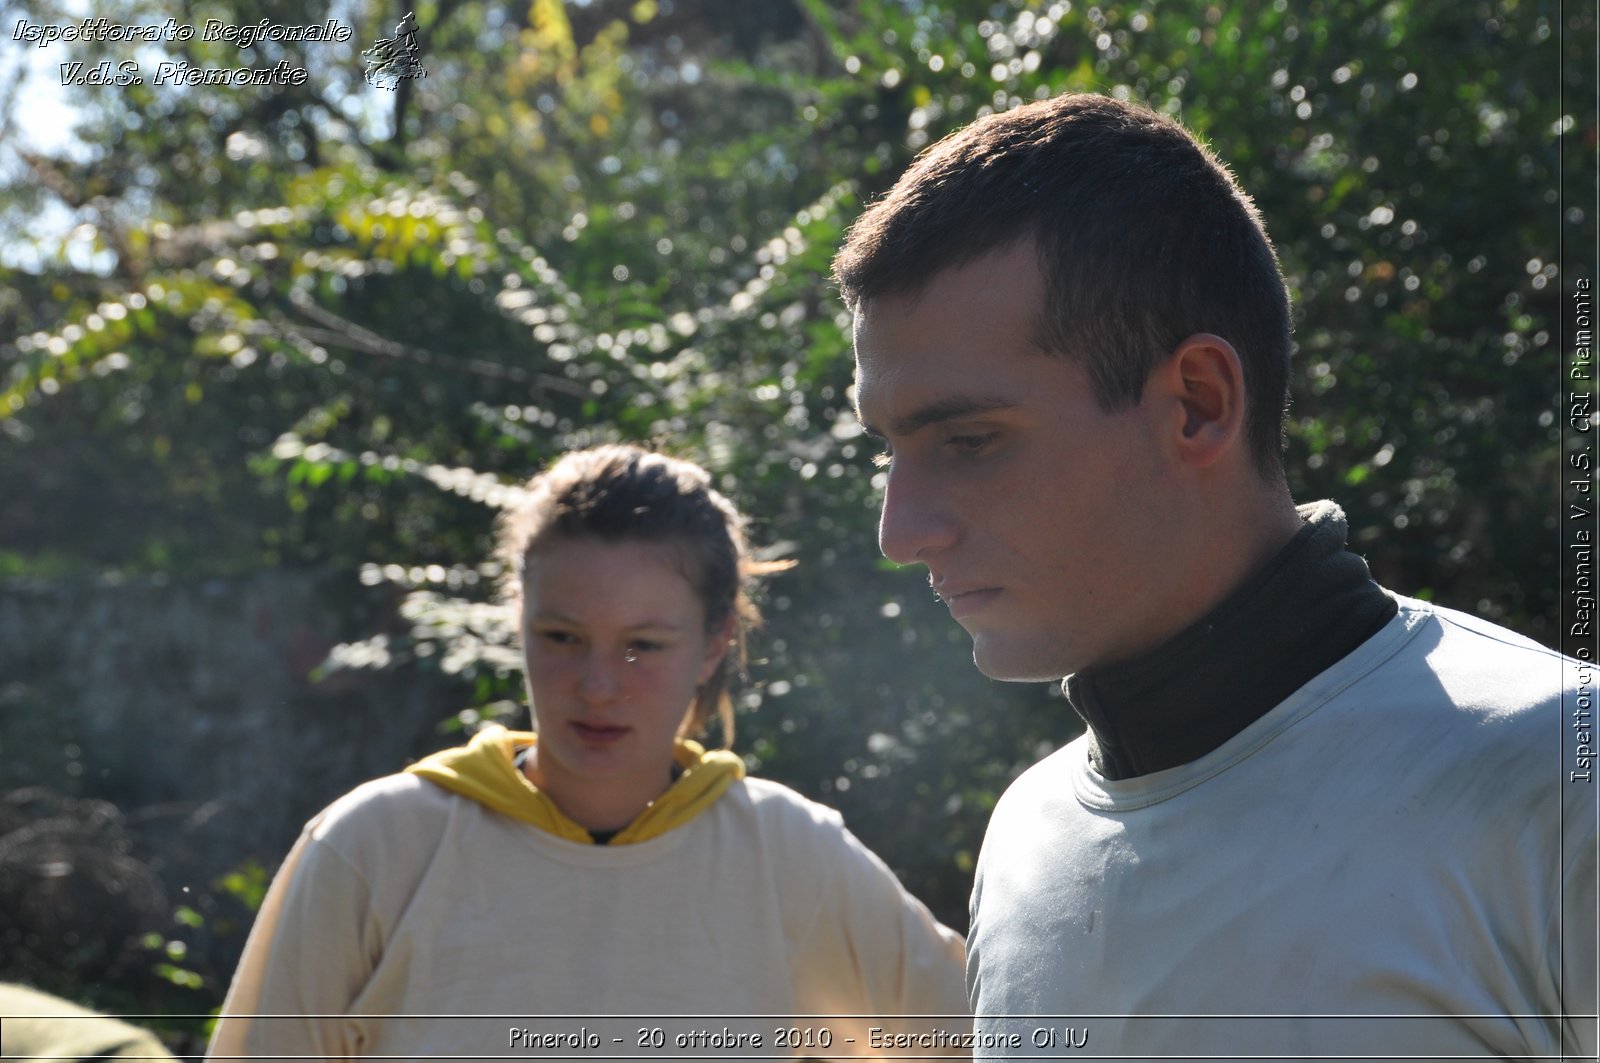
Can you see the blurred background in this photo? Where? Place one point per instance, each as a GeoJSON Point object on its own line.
{"type": "Point", "coordinates": [269, 353]}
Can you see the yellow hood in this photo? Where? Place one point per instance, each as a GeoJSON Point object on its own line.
{"type": "Point", "coordinates": [485, 770]}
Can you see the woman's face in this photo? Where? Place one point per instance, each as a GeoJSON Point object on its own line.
{"type": "Point", "coordinates": [616, 643]}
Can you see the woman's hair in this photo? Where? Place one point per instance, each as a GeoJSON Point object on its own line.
{"type": "Point", "coordinates": [621, 493]}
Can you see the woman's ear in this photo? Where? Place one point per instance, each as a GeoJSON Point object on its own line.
{"type": "Point", "coordinates": [719, 643]}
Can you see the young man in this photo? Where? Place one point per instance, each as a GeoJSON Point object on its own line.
{"type": "Point", "coordinates": [1309, 816]}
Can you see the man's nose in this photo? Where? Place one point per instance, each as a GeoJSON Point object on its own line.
{"type": "Point", "coordinates": [915, 524]}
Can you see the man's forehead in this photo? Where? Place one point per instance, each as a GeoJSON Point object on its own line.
{"type": "Point", "coordinates": [892, 399]}
{"type": "Point", "coordinates": [879, 371]}
{"type": "Point", "coordinates": [907, 377]}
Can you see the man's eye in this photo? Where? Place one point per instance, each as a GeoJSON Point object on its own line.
{"type": "Point", "coordinates": [972, 444]}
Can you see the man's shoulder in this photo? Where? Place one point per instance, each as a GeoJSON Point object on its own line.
{"type": "Point", "coordinates": [1048, 782]}
{"type": "Point", "coordinates": [1485, 635]}
{"type": "Point", "coordinates": [1433, 676]}
{"type": "Point", "coordinates": [1443, 700]}
{"type": "Point", "coordinates": [1478, 665]}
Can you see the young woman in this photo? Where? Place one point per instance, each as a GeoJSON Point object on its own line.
{"type": "Point", "coordinates": [603, 886]}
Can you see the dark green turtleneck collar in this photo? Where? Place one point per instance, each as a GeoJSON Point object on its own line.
{"type": "Point", "coordinates": [1305, 609]}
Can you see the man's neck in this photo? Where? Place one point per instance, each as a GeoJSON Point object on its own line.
{"type": "Point", "coordinates": [1302, 609]}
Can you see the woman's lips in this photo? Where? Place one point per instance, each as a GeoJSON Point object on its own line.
{"type": "Point", "coordinates": [599, 733]}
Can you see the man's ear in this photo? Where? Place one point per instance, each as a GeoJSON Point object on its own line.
{"type": "Point", "coordinates": [1204, 380]}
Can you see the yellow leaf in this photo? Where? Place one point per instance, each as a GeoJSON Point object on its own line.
{"type": "Point", "coordinates": [552, 32]}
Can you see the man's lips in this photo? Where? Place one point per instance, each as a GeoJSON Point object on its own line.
{"type": "Point", "coordinates": [966, 602]}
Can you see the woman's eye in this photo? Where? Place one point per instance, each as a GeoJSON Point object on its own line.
{"type": "Point", "coordinates": [646, 646]}
{"type": "Point", "coordinates": [558, 638]}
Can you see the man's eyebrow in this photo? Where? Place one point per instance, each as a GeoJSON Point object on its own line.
{"type": "Point", "coordinates": [951, 408]}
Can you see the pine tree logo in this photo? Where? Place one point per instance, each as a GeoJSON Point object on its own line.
{"type": "Point", "coordinates": [392, 60]}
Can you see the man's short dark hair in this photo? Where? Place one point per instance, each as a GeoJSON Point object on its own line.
{"type": "Point", "coordinates": [1143, 236]}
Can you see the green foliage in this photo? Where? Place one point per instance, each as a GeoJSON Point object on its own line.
{"type": "Point", "coordinates": [337, 336]}
{"type": "Point", "coordinates": [246, 884]}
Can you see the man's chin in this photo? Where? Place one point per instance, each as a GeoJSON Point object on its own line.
{"type": "Point", "coordinates": [1008, 661]}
